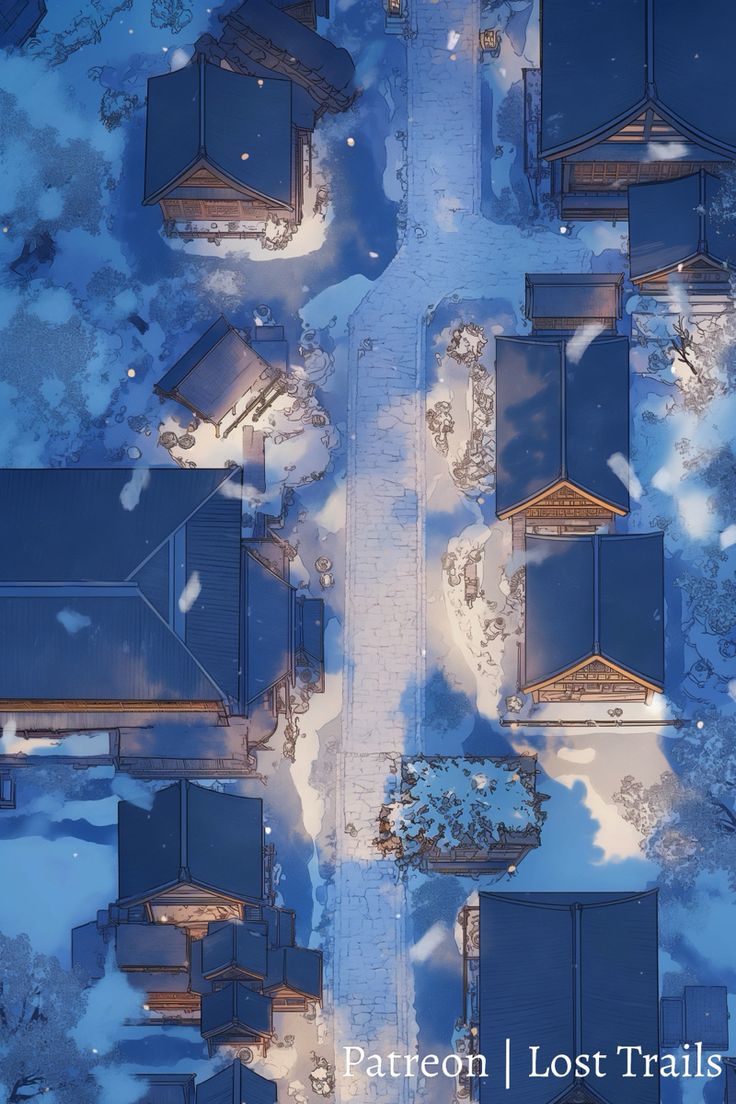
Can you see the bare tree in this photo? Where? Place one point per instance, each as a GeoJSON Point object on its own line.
{"type": "Point", "coordinates": [682, 342]}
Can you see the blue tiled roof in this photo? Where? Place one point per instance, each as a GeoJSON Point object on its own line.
{"type": "Point", "coordinates": [218, 370]}
{"type": "Point", "coordinates": [675, 221]}
{"type": "Point", "coordinates": [165, 1088]}
{"type": "Point", "coordinates": [108, 644]}
{"type": "Point", "coordinates": [206, 114]}
{"type": "Point", "coordinates": [572, 974]}
{"type": "Point", "coordinates": [94, 525]}
{"type": "Point", "coordinates": [151, 946]}
{"type": "Point", "coordinates": [96, 561]}
{"type": "Point", "coordinates": [559, 420]}
{"type": "Point", "coordinates": [597, 70]}
{"type": "Point", "coordinates": [573, 295]}
{"type": "Point", "coordinates": [298, 968]}
{"type": "Point", "coordinates": [235, 948]}
{"type": "Point", "coordinates": [269, 643]}
{"type": "Point", "coordinates": [672, 1011]}
{"type": "Point", "coordinates": [311, 51]}
{"type": "Point", "coordinates": [191, 835]}
{"type": "Point", "coordinates": [237, 1084]}
{"type": "Point", "coordinates": [706, 1016]}
{"type": "Point", "coordinates": [235, 1008]}
{"type": "Point", "coordinates": [595, 596]}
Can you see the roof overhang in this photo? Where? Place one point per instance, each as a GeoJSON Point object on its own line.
{"type": "Point", "coordinates": [561, 485]}
{"type": "Point", "coordinates": [207, 162]}
{"type": "Point", "coordinates": [684, 262]}
{"type": "Point", "coordinates": [608, 130]}
{"type": "Point", "coordinates": [567, 671]}
{"type": "Point", "coordinates": [156, 892]}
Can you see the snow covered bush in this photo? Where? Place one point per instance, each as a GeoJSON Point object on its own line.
{"type": "Point", "coordinates": [445, 805]}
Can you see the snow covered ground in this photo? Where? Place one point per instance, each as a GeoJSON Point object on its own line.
{"type": "Point", "coordinates": [86, 336]}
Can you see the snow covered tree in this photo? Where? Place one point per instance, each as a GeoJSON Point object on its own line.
{"type": "Point", "coordinates": [687, 819]}
{"type": "Point", "coordinates": [447, 806]}
{"type": "Point", "coordinates": [40, 1004]}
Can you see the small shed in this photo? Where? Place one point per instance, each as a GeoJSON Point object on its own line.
{"type": "Point", "coordinates": [699, 1016]}
{"type": "Point", "coordinates": [224, 379]}
{"type": "Point", "coordinates": [236, 1015]}
{"type": "Point", "coordinates": [151, 947]}
{"type": "Point", "coordinates": [563, 302]}
{"type": "Point", "coordinates": [294, 977]}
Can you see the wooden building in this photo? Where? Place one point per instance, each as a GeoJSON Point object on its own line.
{"type": "Point", "coordinates": [194, 928]}
{"type": "Point", "coordinates": [270, 40]}
{"type": "Point", "coordinates": [560, 417]}
{"type": "Point", "coordinates": [98, 562]}
{"type": "Point", "coordinates": [594, 622]}
{"type": "Point", "coordinates": [569, 973]}
{"type": "Point", "coordinates": [224, 379]}
{"type": "Point", "coordinates": [224, 153]}
{"type": "Point", "coordinates": [700, 1015]}
{"type": "Point", "coordinates": [682, 236]}
{"type": "Point", "coordinates": [561, 303]}
{"type": "Point", "coordinates": [632, 92]}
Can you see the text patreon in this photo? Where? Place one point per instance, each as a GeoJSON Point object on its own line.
{"type": "Point", "coordinates": [626, 1061]}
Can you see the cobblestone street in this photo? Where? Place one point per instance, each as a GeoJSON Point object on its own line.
{"type": "Point", "coordinates": [450, 248]}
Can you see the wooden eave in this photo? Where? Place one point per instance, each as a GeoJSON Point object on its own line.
{"type": "Point", "coordinates": [205, 162]}
{"type": "Point", "coordinates": [70, 705]}
{"type": "Point", "coordinates": [608, 130]}
{"type": "Point", "coordinates": [562, 485]}
{"type": "Point", "coordinates": [160, 891]}
{"type": "Point", "coordinates": [594, 656]}
{"type": "Point", "coordinates": [693, 259]}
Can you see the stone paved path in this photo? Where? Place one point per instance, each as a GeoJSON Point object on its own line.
{"type": "Point", "coordinates": [449, 248]}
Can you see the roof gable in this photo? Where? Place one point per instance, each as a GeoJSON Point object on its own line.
{"type": "Point", "coordinates": [603, 65]}
{"type": "Point", "coordinates": [235, 949]}
{"type": "Point", "coordinates": [591, 596]}
{"type": "Point", "coordinates": [218, 370]}
{"type": "Point", "coordinates": [236, 1008]}
{"type": "Point", "coordinates": [677, 223]}
{"type": "Point", "coordinates": [204, 115]}
{"type": "Point", "coordinates": [560, 418]}
{"type": "Point", "coordinates": [191, 835]}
